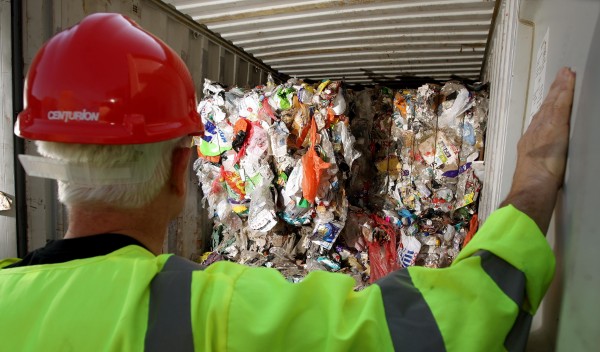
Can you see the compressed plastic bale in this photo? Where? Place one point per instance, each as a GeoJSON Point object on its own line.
{"type": "Point", "coordinates": [388, 143]}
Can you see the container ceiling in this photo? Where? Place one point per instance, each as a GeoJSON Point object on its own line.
{"type": "Point", "coordinates": [359, 41]}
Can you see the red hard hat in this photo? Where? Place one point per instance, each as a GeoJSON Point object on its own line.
{"type": "Point", "coordinates": [108, 81]}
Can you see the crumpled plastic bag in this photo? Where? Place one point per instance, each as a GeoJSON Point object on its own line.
{"type": "Point", "coordinates": [383, 255]}
{"type": "Point", "coordinates": [313, 168]}
{"type": "Point", "coordinates": [347, 140]}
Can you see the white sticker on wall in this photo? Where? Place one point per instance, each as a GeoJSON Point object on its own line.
{"type": "Point", "coordinates": [540, 76]}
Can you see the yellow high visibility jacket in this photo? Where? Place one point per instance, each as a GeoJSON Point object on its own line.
{"type": "Point", "coordinates": [132, 300]}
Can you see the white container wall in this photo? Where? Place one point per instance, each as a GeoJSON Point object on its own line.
{"type": "Point", "coordinates": [532, 40]}
{"type": "Point", "coordinates": [577, 228]}
{"type": "Point", "coordinates": [8, 238]}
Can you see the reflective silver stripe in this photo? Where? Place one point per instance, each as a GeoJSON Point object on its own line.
{"type": "Point", "coordinates": [169, 314]}
{"type": "Point", "coordinates": [518, 335]}
{"type": "Point", "coordinates": [510, 279]}
{"type": "Point", "coordinates": [408, 316]}
{"type": "Point", "coordinates": [512, 282]}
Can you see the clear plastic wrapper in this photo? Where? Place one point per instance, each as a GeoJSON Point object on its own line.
{"type": "Point", "coordinates": [474, 126]}
{"type": "Point", "coordinates": [468, 188]}
{"type": "Point", "coordinates": [426, 107]}
{"type": "Point", "coordinates": [261, 215]}
{"type": "Point", "coordinates": [347, 141]}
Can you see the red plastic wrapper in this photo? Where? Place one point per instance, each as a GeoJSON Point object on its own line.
{"type": "Point", "coordinates": [383, 255]}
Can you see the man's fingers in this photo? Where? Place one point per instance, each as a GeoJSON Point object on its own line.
{"type": "Point", "coordinates": [564, 81]}
{"type": "Point", "coordinates": [560, 96]}
{"type": "Point", "coordinates": [565, 90]}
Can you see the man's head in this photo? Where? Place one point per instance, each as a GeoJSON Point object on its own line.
{"type": "Point", "coordinates": [108, 104]}
{"type": "Point", "coordinates": [151, 160]}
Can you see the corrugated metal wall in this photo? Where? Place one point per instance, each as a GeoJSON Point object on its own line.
{"type": "Point", "coordinates": [498, 71]}
{"type": "Point", "coordinates": [8, 238]}
{"type": "Point", "coordinates": [206, 56]}
{"type": "Point", "coordinates": [359, 41]}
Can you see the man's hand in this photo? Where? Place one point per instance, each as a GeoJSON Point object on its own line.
{"type": "Point", "coordinates": [542, 153]}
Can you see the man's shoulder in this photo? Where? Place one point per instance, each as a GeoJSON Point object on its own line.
{"type": "Point", "coordinates": [8, 261]}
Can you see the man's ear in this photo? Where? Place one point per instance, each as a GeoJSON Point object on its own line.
{"type": "Point", "coordinates": [179, 170]}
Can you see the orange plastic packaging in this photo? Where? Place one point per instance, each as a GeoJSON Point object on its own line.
{"type": "Point", "coordinates": [473, 226]}
{"type": "Point", "coordinates": [313, 167]}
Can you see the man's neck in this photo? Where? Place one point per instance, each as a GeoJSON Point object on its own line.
{"type": "Point", "coordinates": [147, 225]}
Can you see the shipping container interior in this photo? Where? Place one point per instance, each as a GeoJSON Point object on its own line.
{"type": "Point", "coordinates": [515, 45]}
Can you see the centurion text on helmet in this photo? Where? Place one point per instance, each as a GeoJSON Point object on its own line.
{"type": "Point", "coordinates": [73, 115]}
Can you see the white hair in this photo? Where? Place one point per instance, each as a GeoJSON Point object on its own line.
{"type": "Point", "coordinates": [133, 194]}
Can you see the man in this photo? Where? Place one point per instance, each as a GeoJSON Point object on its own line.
{"type": "Point", "coordinates": [111, 108]}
